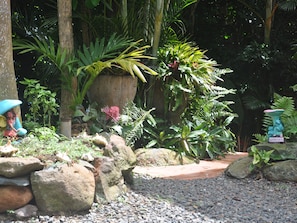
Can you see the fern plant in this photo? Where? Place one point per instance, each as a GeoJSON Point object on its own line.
{"type": "Point", "coordinates": [131, 123]}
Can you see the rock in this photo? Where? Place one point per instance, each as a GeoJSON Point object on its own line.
{"type": "Point", "coordinates": [109, 179]}
{"type": "Point", "coordinates": [282, 151]}
{"type": "Point", "coordinates": [63, 157]}
{"type": "Point", "coordinates": [160, 157]}
{"type": "Point", "coordinates": [65, 188]}
{"type": "Point", "coordinates": [8, 150]}
{"type": "Point", "coordinates": [100, 140]}
{"type": "Point", "coordinates": [15, 166]}
{"type": "Point", "coordinates": [17, 181]}
{"type": "Point", "coordinates": [27, 211]}
{"type": "Point", "coordinates": [240, 168]}
{"type": "Point", "coordinates": [13, 197]}
{"type": "Point", "coordinates": [123, 156]}
{"type": "Point", "coordinates": [281, 171]}
{"type": "Point", "coordinates": [87, 157]}
{"type": "Point", "coordinates": [282, 165]}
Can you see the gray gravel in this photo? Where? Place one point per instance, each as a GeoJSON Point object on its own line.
{"type": "Point", "coordinates": [219, 200]}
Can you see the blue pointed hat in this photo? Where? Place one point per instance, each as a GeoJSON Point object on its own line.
{"type": "Point", "coordinates": [7, 104]}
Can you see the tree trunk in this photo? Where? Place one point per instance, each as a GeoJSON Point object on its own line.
{"type": "Point", "coordinates": [158, 25]}
{"type": "Point", "coordinates": [268, 21]}
{"type": "Point", "coordinates": [86, 35]}
{"type": "Point", "coordinates": [8, 88]}
{"type": "Point", "coordinates": [66, 43]}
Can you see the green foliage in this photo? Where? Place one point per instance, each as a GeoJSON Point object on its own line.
{"type": "Point", "coordinates": [45, 134]}
{"type": "Point", "coordinates": [96, 119]}
{"type": "Point", "coordinates": [46, 49]}
{"type": "Point", "coordinates": [90, 62]}
{"type": "Point", "coordinates": [288, 5]}
{"type": "Point", "coordinates": [103, 49]}
{"type": "Point", "coordinates": [210, 119]}
{"type": "Point", "coordinates": [258, 53]}
{"type": "Point", "coordinates": [42, 102]}
{"type": "Point", "coordinates": [173, 26]}
{"type": "Point", "coordinates": [260, 138]}
{"type": "Point", "coordinates": [185, 70]}
{"type": "Point", "coordinates": [160, 135]}
{"type": "Point", "coordinates": [189, 84]}
{"type": "Point", "coordinates": [261, 158]}
{"type": "Point", "coordinates": [46, 142]}
{"type": "Point", "coordinates": [131, 123]}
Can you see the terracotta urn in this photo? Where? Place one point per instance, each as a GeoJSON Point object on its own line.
{"type": "Point", "coordinates": [113, 90]}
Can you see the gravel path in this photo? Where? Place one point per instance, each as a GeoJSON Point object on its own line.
{"type": "Point", "coordinates": [221, 199]}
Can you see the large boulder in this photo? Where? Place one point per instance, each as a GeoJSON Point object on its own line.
{"type": "Point", "coordinates": [160, 157]}
{"type": "Point", "coordinates": [240, 168]}
{"type": "Point", "coordinates": [65, 188]}
{"type": "Point", "coordinates": [282, 165]}
{"type": "Point", "coordinates": [282, 151]}
{"type": "Point", "coordinates": [13, 197]}
{"type": "Point", "coordinates": [109, 179]}
{"type": "Point", "coordinates": [15, 166]}
{"type": "Point", "coordinates": [123, 156]}
{"type": "Point", "coordinates": [281, 171]}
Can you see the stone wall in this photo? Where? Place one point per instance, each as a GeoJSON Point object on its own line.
{"type": "Point", "coordinates": [67, 186]}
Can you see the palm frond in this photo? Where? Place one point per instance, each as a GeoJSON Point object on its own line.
{"type": "Point", "coordinates": [45, 49]}
{"type": "Point", "coordinates": [253, 103]}
{"type": "Point", "coordinates": [103, 49]}
{"type": "Point", "coordinates": [288, 5]}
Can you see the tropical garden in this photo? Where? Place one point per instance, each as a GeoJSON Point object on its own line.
{"type": "Point", "coordinates": [201, 72]}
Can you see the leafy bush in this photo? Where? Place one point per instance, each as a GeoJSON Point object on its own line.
{"type": "Point", "coordinates": [188, 80]}
{"type": "Point", "coordinates": [261, 158]}
{"type": "Point", "coordinates": [42, 103]}
{"type": "Point", "coordinates": [129, 124]}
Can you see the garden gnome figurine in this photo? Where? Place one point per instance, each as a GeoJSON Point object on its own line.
{"type": "Point", "coordinates": [9, 119]}
{"type": "Point", "coordinates": [13, 127]}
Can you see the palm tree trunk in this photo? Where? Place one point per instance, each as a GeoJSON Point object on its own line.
{"type": "Point", "coordinates": [268, 20]}
{"type": "Point", "coordinates": [66, 43]}
{"type": "Point", "coordinates": [158, 26]}
{"type": "Point", "coordinates": [156, 41]}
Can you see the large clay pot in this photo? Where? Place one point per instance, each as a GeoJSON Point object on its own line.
{"type": "Point", "coordinates": [159, 102]}
{"type": "Point", "coordinates": [113, 90]}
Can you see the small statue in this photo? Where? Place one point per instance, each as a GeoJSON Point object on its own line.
{"type": "Point", "coordinates": [9, 121]}
{"type": "Point", "coordinates": [13, 127]}
{"type": "Point", "coordinates": [276, 129]}
{"type": "Point", "coordinates": [275, 132]}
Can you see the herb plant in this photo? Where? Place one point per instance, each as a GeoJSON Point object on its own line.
{"type": "Point", "coordinates": [261, 158]}
{"type": "Point", "coordinates": [42, 102]}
